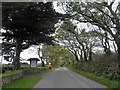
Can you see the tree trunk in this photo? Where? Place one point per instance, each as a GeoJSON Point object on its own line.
{"type": "Point", "coordinates": [118, 45]}
{"type": "Point", "coordinates": [83, 48]}
{"type": "Point", "coordinates": [76, 57]}
{"type": "Point", "coordinates": [85, 56]}
{"type": "Point", "coordinates": [84, 52]}
{"type": "Point", "coordinates": [116, 38]}
{"type": "Point", "coordinates": [43, 64]}
{"type": "Point", "coordinates": [47, 62]}
{"type": "Point", "coordinates": [74, 52]}
{"type": "Point", "coordinates": [119, 65]}
{"type": "Point", "coordinates": [106, 45]}
{"type": "Point", "coordinates": [90, 53]}
{"type": "Point", "coordinates": [16, 61]}
{"type": "Point", "coordinates": [81, 55]}
{"type": "Point", "coordinates": [115, 47]}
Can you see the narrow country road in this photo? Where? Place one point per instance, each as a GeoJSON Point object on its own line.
{"type": "Point", "coordinates": [64, 78]}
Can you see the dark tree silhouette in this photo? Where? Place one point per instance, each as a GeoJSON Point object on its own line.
{"type": "Point", "coordinates": [26, 24]}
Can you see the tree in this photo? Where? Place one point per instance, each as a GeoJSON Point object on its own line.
{"type": "Point", "coordinates": [27, 24]}
{"type": "Point", "coordinates": [57, 55]}
{"type": "Point", "coordinates": [79, 41]}
{"type": "Point", "coordinates": [101, 14]}
{"type": "Point", "coordinates": [106, 44]}
{"type": "Point", "coordinates": [68, 39]}
{"type": "Point", "coordinates": [39, 52]}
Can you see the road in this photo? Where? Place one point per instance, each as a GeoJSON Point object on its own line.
{"type": "Point", "coordinates": [64, 78]}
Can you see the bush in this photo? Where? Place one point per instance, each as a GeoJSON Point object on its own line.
{"type": "Point", "coordinates": [3, 71]}
{"type": "Point", "coordinates": [34, 70]}
{"type": "Point", "coordinates": [105, 66]}
{"type": "Point", "coordinates": [7, 67]}
{"type": "Point", "coordinates": [10, 76]}
{"type": "Point", "coordinates": [9, 73]}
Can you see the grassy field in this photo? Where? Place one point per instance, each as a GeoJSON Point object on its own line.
{"type": "Point", "coordinates": [24, 83]}
{"type": "Point", "coordinates": [109, 83]}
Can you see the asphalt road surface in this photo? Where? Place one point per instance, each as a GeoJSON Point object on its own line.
{"type": "Point", "coordinates": [64, 78]}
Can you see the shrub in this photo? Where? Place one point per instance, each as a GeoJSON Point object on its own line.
{"type": "Point", "coordinates": [34, 70]}
{"type": "Point", "coordinates": [10, 76]}
{"type": "Point", "coordinates": [7, 67]}
{"type": "Point", "coordinates": [106, 66]}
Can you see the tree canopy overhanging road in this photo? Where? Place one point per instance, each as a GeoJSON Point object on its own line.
{"type": "Point", "coordinates": [86, 38]}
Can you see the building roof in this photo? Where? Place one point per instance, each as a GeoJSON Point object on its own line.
{"type": "Point", "coordinates": [36, 59]}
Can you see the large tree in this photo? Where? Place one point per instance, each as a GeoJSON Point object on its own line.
{"type": "Point", "coordinates": [26, 24]}
{"type": "Point", "coordinates": [101, 14]}
{"type": "Point", "coordinates": [80, 42]}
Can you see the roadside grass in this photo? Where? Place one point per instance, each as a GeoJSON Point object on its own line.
{"type": "Point", "coordinates": [24, 83]}
{"type": "Point", "coordinates": [109, 83]}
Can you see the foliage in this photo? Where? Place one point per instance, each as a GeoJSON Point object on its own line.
{"type": "Point", "coordinates": [29, 21]}
{"type": "Point", "coordinates": [26, 24]}
{"type": "Point", "coordinates": [24, 65]}
{"type": "Point", "coordinates": [25, 71]}
{"type": "Point", "coordinates": [34, 70]}
{"type": "Point", "coordinates": [100, 66]}
{"type": "Point", "coordinates": [56, 55]}
{"type": "Point", "coordinates": [7, 67]}
{"type": "Point", "coordinates": [100, 14]}
{"type": "Point", "coordinates": [10, 73]}
{"type": "Point", "coordinates": [109, 83]}
{"type": "Point", "coordinates": [80, 42]}
{"type": "Point", "coordinates": [29, 82]}
{"type": "Point", "coordinates": [105, 21]}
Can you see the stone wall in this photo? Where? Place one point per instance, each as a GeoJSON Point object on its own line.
{"type": "Point", "coordinates": [8, 79]}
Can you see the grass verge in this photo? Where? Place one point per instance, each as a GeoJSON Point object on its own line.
{"type": "Point", "coordinates": [24, 83]}
{"type": "Point", "coordinates": [109, 83]}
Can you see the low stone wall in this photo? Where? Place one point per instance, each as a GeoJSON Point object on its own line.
{"type": "Point", "coordinates": [8, 79]}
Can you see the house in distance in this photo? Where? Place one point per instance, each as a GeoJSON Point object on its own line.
{"type": "Point", "coordinates": [33, 62]}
